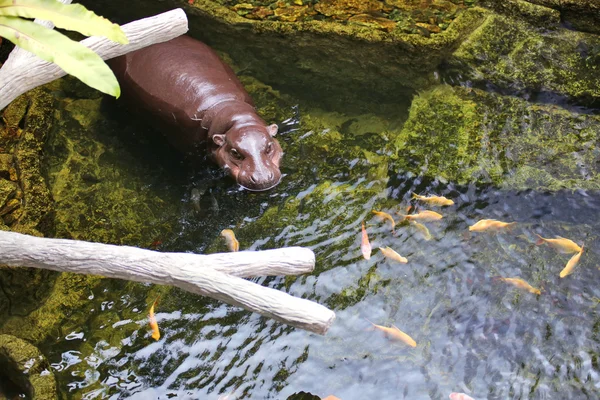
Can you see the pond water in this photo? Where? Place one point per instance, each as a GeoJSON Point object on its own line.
{"type": "Point", "coordinates": [474, 333]}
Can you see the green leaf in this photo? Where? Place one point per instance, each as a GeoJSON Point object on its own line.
{"type": "Point", "coordinates": [73, 17]}
{"type": "Point", "coordinates": [73, 57]}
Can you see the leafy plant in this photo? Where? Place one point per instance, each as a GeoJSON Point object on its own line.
{"type": "Point", "coordinates": [73, 57]}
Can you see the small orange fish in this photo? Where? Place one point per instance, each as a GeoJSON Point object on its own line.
{"type": "Point", "coordinates": [153, 323]}
{"type": "Point", "coordinates": [521, 284]}
{"type": "Point", "coordinates": [365, 245]}
{"type": "Point", "coordinates": [155, 244]}
{"type": "Point", "coordinates": [232, 242]}
{"type": "Point", "coordinates": [395, 333]}
{"type": "Point", "coordinates": [423, 216]}
{"type": "Point", "coordinates": [384, 216]}
{"type": "Point", "coordinates": [422, 228]}
{"type": "Point", "coordinates": [565, 246]}
{"type": "Point", "coordinates": [460, 396]}
{"type": "Point", "coordinates": [436, 200]}
{"type": "Point", "coordinates": [571, 264]}
{"type": "Point", "coordinates": [392, 255]}
{"type": "Point", "coordinates": [491, 225]}
{"type": "Point", "coordinates": [331, 397]}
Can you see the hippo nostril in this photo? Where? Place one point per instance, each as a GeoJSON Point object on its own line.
{"type": "Point", "coordinates": [252, 179]}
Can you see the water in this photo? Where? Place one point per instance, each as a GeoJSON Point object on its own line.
{"type": "Point", "coordinates": [474, 333]}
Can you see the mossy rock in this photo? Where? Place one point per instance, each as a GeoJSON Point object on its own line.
{"type": "Point", "coordinates": [26, 368]}
{"type": "Point", "coordinates": [23, 290]}
{"type": "Point", "coordinates": [467, 135]}
{"type": "Point", "coordinates": [102, 192]}
{"type": "Point", "coordinates": [63, 303]}
{"type": "Point", "coordinates": [583, 15]}
{"type": "Point", "coordinates": [519, 59]}
{"type": "Point", "coordinates": [27, 121]}
{"type": "Point", "coordinates": [336, 65]}
{"type": "Point", "coordinates": [537, 15]}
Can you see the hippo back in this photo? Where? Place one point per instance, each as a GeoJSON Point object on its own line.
{"type": "Point", "coordinates": [176, 81]}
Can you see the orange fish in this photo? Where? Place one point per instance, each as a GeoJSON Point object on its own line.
{"type": "Point", "coordinates": [571, 264]}
{"type": "Point", "coordinates": [521, 284]}
{"type": "Point", "coordinates": [422, 228]}
{"type": "Point", "coordinates": [436, 200]}
{"type": "Point", "coordinates": [491, 225]}
{"type": "Point", "coordinates": [331, 397]}
{"type": "Point", "coordinates": [395, 333]}
{"type": "Point", "coordinates": [423, 216]}
{"type": "Point", "coordinates": [232, 242]}
{"type": "Point", "coordinates": [460, 396]}
{"type": "Point", "coordinates": [365, 245]}
{"type": "Point", "coordinates": [392, 255]}
{"type": "Point", "coordinates": [565, 246]}
{"type": "Point", "coordinates": [384, 216]}
{"type": "Point", "coordinates": [153, 323]}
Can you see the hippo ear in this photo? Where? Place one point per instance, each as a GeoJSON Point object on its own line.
{"type": "Point", "coordinates": [272, 129]}
{"type": "Point", "coordinates": [219, 140]}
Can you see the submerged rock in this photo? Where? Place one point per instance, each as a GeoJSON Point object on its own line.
{"type": "Point", "coordinates": [22, 365]}
{"type": "Point", "coordinates": [467, 135]}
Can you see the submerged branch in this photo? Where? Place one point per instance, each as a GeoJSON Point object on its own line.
{"type": "Point", "coordinates": [214, 275]}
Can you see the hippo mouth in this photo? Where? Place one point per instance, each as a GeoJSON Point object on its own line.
{"type": "Point", "coordinates": [260, 189]}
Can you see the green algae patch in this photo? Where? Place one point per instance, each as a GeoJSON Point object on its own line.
{"type": "Point", "coordinates": [537, 15]}
{"type": "Point", "coordinates": [583, 15]}
{"type": "Point", "coordinates": [64, 302]}
{"type": "Point", "coordinates": [24, 366]}
{"type": "Point", "coordinates": [101, 191]}
{"type": "Point", "coordinates": [467, 135]}
{"type": "Point", "coordinates": [519, 58]}
{"type": "Point", "coordinates": [27, 121]}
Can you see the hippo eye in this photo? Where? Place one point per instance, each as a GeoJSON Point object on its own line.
{"type": "Point", "coordinates": [235, 154]}
{"type": "Point", "coordinates": [269, 148]}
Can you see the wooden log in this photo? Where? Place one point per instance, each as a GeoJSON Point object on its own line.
{"type": "Point", "coordinates": [201, 274]}
{"type": "Point", "coordinates": [26, 71]}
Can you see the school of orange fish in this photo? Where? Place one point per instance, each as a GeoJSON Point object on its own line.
{"type": "Point", "coordinates": [562, 245]}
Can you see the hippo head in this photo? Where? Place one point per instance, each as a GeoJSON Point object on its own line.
{"type": "Point", "coordinates": [251, 155]}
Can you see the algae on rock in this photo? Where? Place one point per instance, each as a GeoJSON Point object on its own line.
{"type": "Point", "coordinates": [467, 135]}
{"type": "Point", "coordinates": [24, 365]}
{"type": "Point", "coordinates": [519, 58]}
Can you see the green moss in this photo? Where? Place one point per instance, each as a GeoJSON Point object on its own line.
{"type": "Point", "coordinates": [101, 191]}
{"type": "Point", "coordinates": [517, 57]}
{"type": "Point", "coordinates": [583, 15]}
{"type": "Point", "coordinates": [521, 9]}
{"type": "Point", "coordinates": [69, 292]}
{"type": "Point", "coordinates": [26, 367]}
{"type": "Point", "coordinates": [465, 135]}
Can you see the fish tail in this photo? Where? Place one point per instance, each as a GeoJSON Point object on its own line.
{"type": "Point", "coordinates": [497, 278]}
{"type": "Point", "coordinates": [540, 240]}
{"type": "Point", "coordinates": [372, 323]}
{"type": "Point", "coordinates": [511, 226]}
{"type": "Point", "coordinates": [415, 196]}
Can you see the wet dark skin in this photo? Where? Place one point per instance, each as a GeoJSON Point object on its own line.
{"type": "Point", "coordinates": [196, 100]}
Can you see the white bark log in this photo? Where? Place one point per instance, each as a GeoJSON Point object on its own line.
{"type": "Point", "coordinates": [26, 71]}
{"type": "Point", "coordinates": [201, 274]}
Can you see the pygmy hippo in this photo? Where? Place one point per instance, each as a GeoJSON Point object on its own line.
{"type": "Point", "coordinates": [196, 98]}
